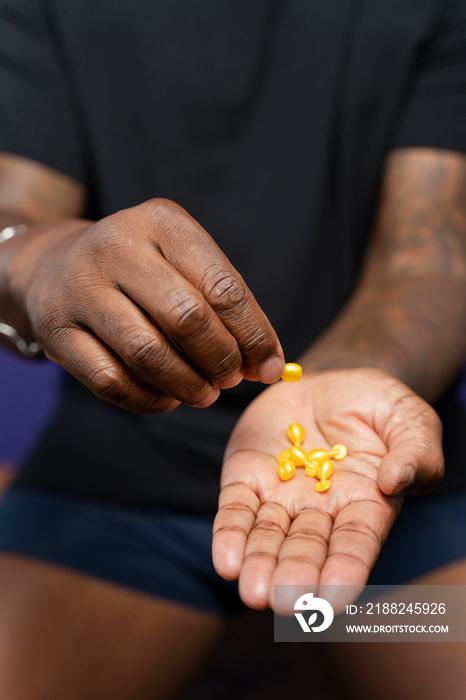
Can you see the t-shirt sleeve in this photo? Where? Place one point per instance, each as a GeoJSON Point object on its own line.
{"type": "Point", "coordinates": [38, 116]}
{"type": "Point", "coordinates": [434, 114]}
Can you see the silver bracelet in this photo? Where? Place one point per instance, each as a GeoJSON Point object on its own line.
{"type": "Point", "coordinates": [11, 231]}
{"type": "Point", "coordinates": [6, 331]}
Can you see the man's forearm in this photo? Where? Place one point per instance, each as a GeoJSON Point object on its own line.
{"type": "Point", "coordinates": [408, 313]}
{"type": "Point", "coordinates": [416, 333]}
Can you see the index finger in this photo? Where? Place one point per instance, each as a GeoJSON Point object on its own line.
{"type": "Point", "coordinates": [193, 253]}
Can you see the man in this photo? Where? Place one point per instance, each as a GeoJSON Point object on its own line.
{"type": "Point", "coordinates": [322, 149]}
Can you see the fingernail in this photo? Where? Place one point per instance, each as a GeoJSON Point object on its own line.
{"type": "Point", "coordinates": [406, 478]}
{"type": "Point", "coordinates": [174, 404]}
{"type": "Point", "coordinates": [271, 370]}
{"type": "Point", "coordinates": [209, 400]}
{"type": "Point", "coordinates": [234, 381]}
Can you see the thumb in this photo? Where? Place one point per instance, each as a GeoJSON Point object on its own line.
{"type": "Point", "coordinates": [411, 468]}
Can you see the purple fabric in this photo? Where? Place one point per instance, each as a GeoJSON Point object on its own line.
{"type": "Point", "coordinates": [462, 388]}
{"type": "Point", "coordinates": [28, 392]}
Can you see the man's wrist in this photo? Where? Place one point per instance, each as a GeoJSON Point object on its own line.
{"type": "Point", "coordinates": [11, 338]}
{"type": "Point", "coordinates": [8, 334]}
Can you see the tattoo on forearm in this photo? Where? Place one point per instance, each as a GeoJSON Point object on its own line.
{"type": "Point", "coordinates": [408, 313]}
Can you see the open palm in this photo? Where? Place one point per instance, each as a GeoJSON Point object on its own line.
{"type": "Point", "coordinates": [269, 532]}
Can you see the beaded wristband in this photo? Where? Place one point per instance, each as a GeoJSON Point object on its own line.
{"type": "Point", "coordinates": [6, 331]}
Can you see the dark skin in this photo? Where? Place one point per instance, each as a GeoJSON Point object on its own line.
{"type": "Point", "coordinates": [357, 386]}
{"type": "Point", "coordinates": [407, 313]}
{"type": "Point", "coordinates": [103, 298]}
{"type": "Point", "coordinates": [406, 321]}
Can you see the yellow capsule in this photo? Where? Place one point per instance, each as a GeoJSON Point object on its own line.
{"type": "Point", "coordinates": [310, 469]}
{"type": "Point", "coordinates": [283, 457]}
{"type": "Point", "coordinates": [298, 455]}
{"type": "Point", "coordinates": [286, 471]}
{"type": "Point", "coordinates": [296, 434]}
{"type": "Point", "coordinates": [293, 372]}
{"type": "Point", "coordinates": [324, 471]}
{"type": "Point", "coordinates": [338, 452]}
{"type": "Point", "coordinates": [317, 455]}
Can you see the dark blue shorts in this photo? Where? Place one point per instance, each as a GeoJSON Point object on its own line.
{"type": "Point", "coordinates": [168, 554]}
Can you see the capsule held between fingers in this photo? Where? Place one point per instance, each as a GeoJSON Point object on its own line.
{"type": "Point", "coordinates": [292, 373]}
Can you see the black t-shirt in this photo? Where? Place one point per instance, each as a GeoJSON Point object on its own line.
{"type": "Point", "coordinates": [269, 122]}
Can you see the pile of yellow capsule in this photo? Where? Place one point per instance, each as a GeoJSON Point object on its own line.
{"type": "Point", "coordinates": [317, 463]}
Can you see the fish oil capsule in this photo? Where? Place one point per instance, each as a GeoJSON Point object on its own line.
{"type": "Point", "coordinates": [286, 471]}
{"type": "Point", "coordinates": [296, 434]}
{"type": "Point", "coordinates": [324, 471]}
{"type": "Point", "coordinates": [338, 452]}
{"type": "Point", "coordinates": [293, 372]}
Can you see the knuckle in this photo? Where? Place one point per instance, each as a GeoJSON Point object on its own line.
{"type": "Point", "coordinates": [143, 353]}
{"type": "Point", "coordinates": [226, 292]}
{"type": "Point", "coordinates": [45, 326]}
{"type": "Point", "coordinates": [112, 384]}
{"type": "Point", "coordinates": [50, 329]}
{"type": "Point", "coordinates": [161, 213]}
{"type": "Point", "coordinates": [105, 381]}
{"type": "Point", "coordinates": [108, 242]}
{"type": "Point", "coordinates": [226, 366]}
{"type": "Point", "coordinates": [186, 315]}
{"type": "Point", "coordinates": [105, 238]}
{"type": "Point", "coordinates": [258, 343]}
{"type": "Point", "coordinates": [160, 206]}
